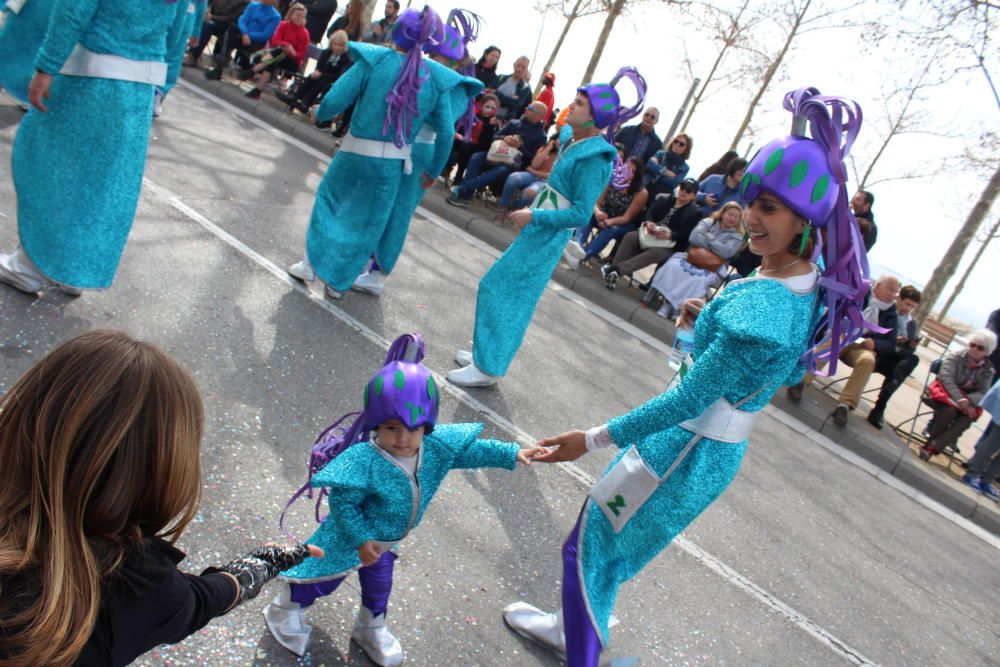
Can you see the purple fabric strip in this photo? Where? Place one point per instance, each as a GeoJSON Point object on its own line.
{"type": "Point", "coordinates": [376, 583]}
{"type": "Point", "coordinates": [306, 594]}
{"type": "Point", "coordinates": [583, 642]}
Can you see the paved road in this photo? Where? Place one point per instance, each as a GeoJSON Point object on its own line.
{"type": "Point", "coordinates": [805, 560]}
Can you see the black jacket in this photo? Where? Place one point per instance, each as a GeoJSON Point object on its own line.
{"type": "Point", "coordinates": [335, 70]}
{"type": "Point", "coordinates": [629, 135]}
{"type": "Point", "coordinates": [532, 137]}
{"type": "Point", "coordinates": [227, 11]}
{"type": "Point", "coordinates": [681, 221]}
{"type": "Point", "coordinates": [318, 15]}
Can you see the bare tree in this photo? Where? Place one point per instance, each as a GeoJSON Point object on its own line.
{"type": "Point", "coordinates": [614, 10]}
{"type": "Point", "coordinates": [798, 21]}
{"type": "Point", "coordinates": [730, 31]}
{"type": "Point", "coordinates": [993, 233]}
{"type": "Point", "coordinates": [580, 9]}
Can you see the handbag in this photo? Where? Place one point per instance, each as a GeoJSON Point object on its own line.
{"type": "Point", "coordinates": [704, 258]}
{"type": "Point", "coordinates": [648, 241]}
{"type": "Point", "coordinates": [503, 153]}
{"type": "Point", "coordinates": [938, 394]}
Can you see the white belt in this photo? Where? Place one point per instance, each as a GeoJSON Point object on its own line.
{"type": "Point", "coordinates": [385, 150]}
{"type": "Point", "coordinates": [550, 199]}
{"type": "Point", "coordinates": [722, 422]}
{"type": "Point", "coordinates": [15, 6]}
{"type": "Point", "coordinates": [426, 135]}
{"type": "Point", "coordinates": [84, 62]}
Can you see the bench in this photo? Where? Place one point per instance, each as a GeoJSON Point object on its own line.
{"type": "Point", "coordinates": [937, 332]}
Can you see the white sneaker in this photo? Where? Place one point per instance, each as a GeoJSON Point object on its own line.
{"type": "Point", "coordinates": [574, 262]}
{"type": "Point", "coordinates": [157, 103]}
{"type": "Point", "coordinates": [17, 271]}
{"type": "Point", "coordinates": [69, 291]}
{"type": "Point", "coordinates": [286, 620]}
{"type": "Point", "coordinates": [374, 638]}
{"type": "Point", "coordinates": [371, 282]}
{"type": "Point", "coordinates": [303, 271]}
{"type": "Point", "coordinates": [576, 250]}
{"type": "Point", "coordinates": [540, 627]}
{"type": "Point", "coordinates": [463, 357]}
{"type": "Point", "coordinates": [332, 293]}
{"type": "Point", "coordinates": [471, 376]}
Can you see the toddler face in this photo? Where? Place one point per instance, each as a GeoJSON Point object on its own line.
{"type": "Point", "coordinates": [398, 440]}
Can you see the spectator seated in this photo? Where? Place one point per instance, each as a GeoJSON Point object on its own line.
{"type": "Point", "coordinates": [521, 187]}
{"type": "Point", "coordinates": [285, 52]}
{"type": "Point", "coordinates": [689, 275]}
{"type": "Point", "coordinates": [309, 90]}
{"type": "Point", "coordinates": [483, 132]}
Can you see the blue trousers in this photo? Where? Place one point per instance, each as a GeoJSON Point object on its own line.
{"type": "Point", "coordinates": [517, 181]}
{"type": "Point", "coordinates": [606, 236]}
{"type": "Point", "coordinates": [479, 175]}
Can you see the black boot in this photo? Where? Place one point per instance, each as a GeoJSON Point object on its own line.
{"type": "Point", "coordinates": [876, 417]}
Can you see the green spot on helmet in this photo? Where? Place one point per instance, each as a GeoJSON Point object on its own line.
{"type": "Point", "coordinates": [379, 385]}
{"type": "Point", "coordinates": [820, 188]}
{"type": "Point", "coordinates": [399, 379]}
{"type": "Point", "coordinates": [773, 161]}
{"type": "Point", "coordinates": [799, 173]}
{"type": "Point", "coordinates": [366, 396]}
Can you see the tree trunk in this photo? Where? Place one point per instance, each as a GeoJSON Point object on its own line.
{"type": "Point", "coordinates": [727, 42]}
{"type": "Point", "coordinates": [366, 15]}
{"type": "Point", "coordinates": [559, 43]}
{"type": "Point", "coordinates": [949, 263]}
{"type": "Point", "coordinates": [972, 265]}
{"type": "Point", "coordinates": [613, 13]}
{"type": "Point", "coordinates": [772, 69]}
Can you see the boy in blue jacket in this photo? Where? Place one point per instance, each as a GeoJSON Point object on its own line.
{"type": "Point", "coordinates": [379, 490]}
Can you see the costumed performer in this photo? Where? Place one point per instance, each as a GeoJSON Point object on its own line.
{"type": "Point", "coordinates": [191, 30]}
{"type": "Point", "coordinates": [510, 290]}
{"type": "Point", "coordinates": [380, 476]}
{"type": "Point", "coordinates": [681, 449]}
{"type": "Point", "coordinates": [100, 59]}
{"type": "Point", "coordinates": [450, 62]}
{"type": "Point", "coordinates": [21, 35]}
{"type": "Point", "coordinates": [394, 93]}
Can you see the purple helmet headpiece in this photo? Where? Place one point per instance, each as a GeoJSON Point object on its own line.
{"type": "Point", "coordinates": [461, 29]}
{"type": "Point", "coordinates": [809, 176]}
{"type": "Point", "coordinates": [411, 32]}
{"type": "Point", "coordinates": [606, 105]}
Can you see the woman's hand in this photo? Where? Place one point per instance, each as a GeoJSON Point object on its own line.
{"type": "Point", "coordinates": [520, 218]}
{"type": "Point", "coordinates": [568, 446]}
{"type": "Point", "coordinates": [38, 90]}
{"type": "Point", "coordinates": [526, 456]}
{"type": "Point", "coordinates": [369, 552]}
{"type": "Point", "coordinates": [689, 312]}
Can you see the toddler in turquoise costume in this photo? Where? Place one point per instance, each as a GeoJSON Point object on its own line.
{"type": "Point", "coordinates": [389, 466]}
{"type": "Point", "coordinates": [681, 449]}
{"type": "Point", "coordinates": [99, 59]}
{"type": "Point", "coordinates": [394, 93]}
{"type": "Point", "coordinates": [20, 37]}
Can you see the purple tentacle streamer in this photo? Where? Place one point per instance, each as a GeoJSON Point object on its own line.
{"type": "Point", "coordinates": [468, 25]}
{"type": "Point", "coordinates": [626, 114]}
{"type": "Point", "coordinates": [402, 99]}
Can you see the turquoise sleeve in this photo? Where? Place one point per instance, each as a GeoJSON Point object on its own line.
{"type": "Point", "coordinates": [177, 36]}
{"type": "Point", "coordinates": [346, 478]}
{"type": "Point", "coordinates": [488, 454]}
{"type": "Point", "coordinates": [69, 23]}
{"type": "Point", "coordinates": [442, 121]}
{"type": "Point", "coordinates": [199, 17]}
{"type": "Point", "coordinates": [590, 176]}
{"type": "Point", "coordinates": [344, 92]}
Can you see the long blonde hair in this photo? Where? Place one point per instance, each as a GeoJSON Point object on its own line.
{"type": "Point", "coordinates": [99, 448]}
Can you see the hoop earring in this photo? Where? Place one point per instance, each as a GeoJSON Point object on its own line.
{"type": "Point", "coordinates": [806, 232]}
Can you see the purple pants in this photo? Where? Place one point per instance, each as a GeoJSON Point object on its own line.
{"type": "Point", "coordinates": [376, 585]}
{"type": "Point", "coordinates": [583, 643]}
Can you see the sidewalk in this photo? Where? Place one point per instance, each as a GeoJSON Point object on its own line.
{"type": "Point", "coordinates": [881, 448]}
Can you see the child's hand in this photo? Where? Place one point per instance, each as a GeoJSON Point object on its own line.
{"type": "Point", "coordinates": [526, 456]}
{"type": "Point", "coordinates": [369, 552]}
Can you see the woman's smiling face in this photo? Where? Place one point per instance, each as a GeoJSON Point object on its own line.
{"type": "Point", "coordinates": [772, 225]}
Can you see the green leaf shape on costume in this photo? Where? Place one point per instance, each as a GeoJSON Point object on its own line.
{"type": "Point", "coordinates": [774, 161]}
{"type": "Point", "coordinates": [799, 173]}
{"type": "Point", "coordinates": [820, 188]}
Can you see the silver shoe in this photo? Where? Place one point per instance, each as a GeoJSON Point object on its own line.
{"type": "Point", "coordinates": [286, 620]}
{"type": "Point", "coordinates": [17, 271]}
{"type": "Point", "coordinates": [371, 282]}
{"type": "Point", "coordinates": [303, 271]}
{"type": "Point", "coordinates": [463, 358]}
{"type": "Point", "coordinates": [375, 640]}
{"type": "Point", "coordinates": [532, 623]}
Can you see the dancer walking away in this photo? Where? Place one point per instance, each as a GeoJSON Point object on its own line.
{"type": "Point", "coordinates": [681, 449]}
{"type": "Point", "coordinates": [510, 290]}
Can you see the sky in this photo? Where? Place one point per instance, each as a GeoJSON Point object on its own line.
{"type": "Point", "coordinates": [917, 219]}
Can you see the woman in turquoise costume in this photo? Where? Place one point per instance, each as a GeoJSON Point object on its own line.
{"type": "Point", "coordinates": [191, 30]}
{"type": "Point", "coordinates": [394, 92]}
{"type": "Point", "coordinates": [461, 28]}
{"type": "Point", "coordinates": [510, 290]}
{"type": "Point", "coordinates": [22, 33]}
{"type": "Point", "coordinates": [79, 155]}
{"type": "Point", "coordinates": [682, 448]}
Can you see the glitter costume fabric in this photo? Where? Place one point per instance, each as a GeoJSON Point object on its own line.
{"type": "Point", "coordinates": [390, 245]}
{"type": "Point", "coordinates": [749, 338]}
{"type": "Point", "coordinates": [72, 153]}
{"type": "Point", "coordinates": [20, 39]}
{"type": "Point", "coordinates": [510, 290]}
{"type": "Point", "coordinates": [372, 498]}
{"type": "Point", "coordinates": [355, 199]}
{"type": "Point", "coordinates": [192, 28]}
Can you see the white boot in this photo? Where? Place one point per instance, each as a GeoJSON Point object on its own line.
{"type": "Point", "coordinates": [540, 627]}
{"type": "Point", "coordinates": [20, 273]}
{"type": "Point", "coordinates": [471, 376]}
{"type": "Point", "coordinates": [370, 282]}
{"type": "Point", "coordinates": [302, 270]}
{"type": "Point", "coordinates": [332, 293]}
{"type": "Point", "coordinates": [158, 98]}
{"type": "Point", "coordinates": [374, 638]}
{"type": "Point", "coordinates": [463, 357]}
{"type": "Point", "coordinates": [574, 262]}
{"type": "Point", "coordinates": [287, 621]}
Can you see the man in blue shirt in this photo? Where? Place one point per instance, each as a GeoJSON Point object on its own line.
{"type": "Point", "coordinates": [641, 141]}
{"type": "Point", "coordinates": [718, 189]}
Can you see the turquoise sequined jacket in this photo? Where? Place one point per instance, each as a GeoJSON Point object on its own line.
{"type": "Point", "coordinates": [373, 498]}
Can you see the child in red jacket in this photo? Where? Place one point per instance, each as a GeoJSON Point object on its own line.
{"type": "Point", "coordinates": [286, 50]}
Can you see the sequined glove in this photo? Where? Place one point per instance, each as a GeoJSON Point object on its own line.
{"type": "Point", "coordinates": [261, 565]}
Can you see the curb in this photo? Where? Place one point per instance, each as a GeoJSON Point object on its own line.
{"type": "Point", "coordinates": [889, 457]}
